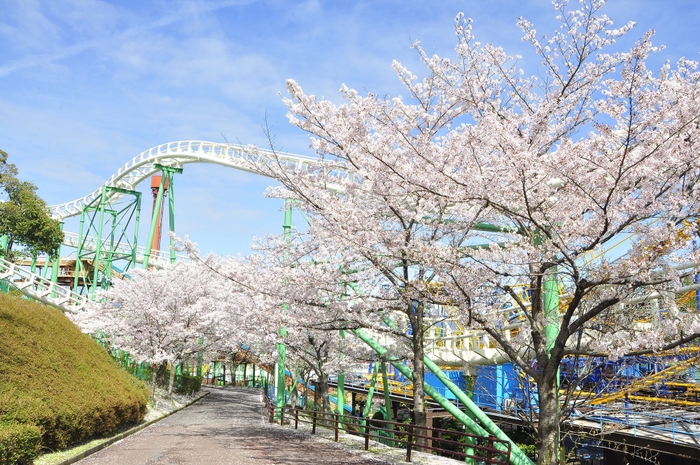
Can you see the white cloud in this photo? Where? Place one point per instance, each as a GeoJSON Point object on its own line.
{"type": "Point", "coordinates": [91, 25]}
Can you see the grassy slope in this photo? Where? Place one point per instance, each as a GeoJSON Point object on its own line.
{"type": "Point", "coordinates": [54, 376]}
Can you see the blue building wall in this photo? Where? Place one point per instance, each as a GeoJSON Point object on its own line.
{"type": "Point", "coordinates": [456, 377]}
{"type": "Point", "coordinates": [503, 389]}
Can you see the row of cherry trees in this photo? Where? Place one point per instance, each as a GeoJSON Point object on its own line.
{"type": "Point", "coordinates": [210, 309]}
{"type": "Point", "coordinates": [160, 316]}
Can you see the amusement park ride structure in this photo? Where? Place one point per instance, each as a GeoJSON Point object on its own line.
{"type": "Point", "coordinates": [109, 223]}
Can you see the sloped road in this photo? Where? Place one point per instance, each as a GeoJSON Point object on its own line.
{"type": "Point", "coordinates": [226, 427]}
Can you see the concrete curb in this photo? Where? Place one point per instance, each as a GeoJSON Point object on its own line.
{"type": "Point", "coordinates": [125, 434]}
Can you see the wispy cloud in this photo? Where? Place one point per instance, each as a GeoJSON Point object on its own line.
{"type": "Point", "coordinates": [185, 12]}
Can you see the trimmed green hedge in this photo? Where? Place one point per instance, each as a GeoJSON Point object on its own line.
{"type": "Point", "coordinates": [19, 443]}
{"type": "Point", "coordinates": [58, 379]}
{"type": "Point", "coordinates": [188, 384]}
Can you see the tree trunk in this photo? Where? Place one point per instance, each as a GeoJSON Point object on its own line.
{"type": "Point", "coordinates": [171, 383]}
{"type": "Point", "coordinates": [419, 413]}
{"type": "Point", "coordinates": [415, 316]}
{"type": "Point", "coordinates": [305, 405]}
{"type": "Point", "coordinates": [323, 392]}
{"type": "Point", "coordinates": [162, 371]}
{"type": "Point", "coordinates": [292, 390]}
{"type": "Point", "coordinates": [548, 428]}
{"type": "Point", "coordinates": [293, 395]}
{"type": "Point", "coordinates": [154, 380]}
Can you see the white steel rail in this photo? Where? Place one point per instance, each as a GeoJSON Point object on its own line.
{"type": "Point", "coordinates": [158, 258]}
{"type": "Point", "coordinates": [246, 158]}
{"type": "Point", "coordinates": [40, 288]}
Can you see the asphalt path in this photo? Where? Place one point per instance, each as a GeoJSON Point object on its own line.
{"type": "Point", "coordinates": [226, 427]}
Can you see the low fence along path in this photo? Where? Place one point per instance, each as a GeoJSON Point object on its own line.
{"type": "Point", "coordinates": [226, 427]}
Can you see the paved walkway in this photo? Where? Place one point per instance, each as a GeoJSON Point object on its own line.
{"type": "Point", "coordinates": [226, 427]}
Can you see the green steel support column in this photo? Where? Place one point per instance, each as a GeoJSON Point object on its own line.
{"type": "Point", "coordinates": [137, 220]}
{"type": "Point", "coordinates": [55, 264]}
{"type": "Point", "coordinates": [56, 260]}
{"type": "Point", "coordinates": [109, 257]}
{"type": "Point", "coordinates": [45, 271]}
{"type": "Point", "coordinates": [167, 176]}
{"type": "Point", "coordinates": [178, 371]}
{"type": "Point", "coordinates": [154, 222]}
{"type": "Point", "coordinates": [454, 389]}
{"type": "Point", "coordinates": [341, 384]}
{"type": "Point", "coordinates": [199, 358]}
{"type": "Point", "coordinates": [78, 263]}
{"type": "Point", "coordinates": [550, 302]}
{"type": "Point", "coordinates": [517, 457]}
{"type": "Point", "coordinates": [171, 215]}
{"type": "Point", "coordinates": [370, 392]}
{"type": "Point", "coordinates": [341, 394]}
{"type": "Point", "coordinates": [33, 267]}
{"type": "Point", "coordinates": [387, 400]}
{"type": "Point", "coordinates": [279, 375]}
{"type": "Point", "coordinates": [98, 243]}
{"type": "Point", "coordinates": [4, 287]}
{"type": "Point", "coordinates": [281, 348]}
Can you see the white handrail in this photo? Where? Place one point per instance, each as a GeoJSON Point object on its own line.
{"type": "Point", "coordinates": [157, 258]}
{"type": "Point", "coordinates": [40, 288]}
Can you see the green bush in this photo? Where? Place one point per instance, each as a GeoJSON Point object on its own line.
{"type": "Point", "coordinates": [189, 384]}
{"type": "Point", "coordinates": [529, 449]}
{"type": "Point", "coordinates": [59, 379]}
{"type": "Point", "coordinates": [19, 443]}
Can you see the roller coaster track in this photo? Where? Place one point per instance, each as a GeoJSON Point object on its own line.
{"type": "Point", "coordinates": [647, 381]}
{"type": "Point", "coordinates": [157, 258]}
{"type": "Point", "coordinates": [40, 288]}
{"type": "Point", "coordinates": [244, 158]}
{"type": "Point", "coordinates": [136, 170]}
{"type": "Point", "coordinates": [456, 346]}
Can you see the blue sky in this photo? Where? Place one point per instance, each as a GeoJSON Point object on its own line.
{"type": "Point", "coordinates": [86, 85]}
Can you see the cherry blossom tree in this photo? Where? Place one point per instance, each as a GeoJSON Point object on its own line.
{"type": "Point", "coordinates": [487, 180]}
{"type": "Point", "coordinates": [161, 315]}
{"type": "Point", "coordinates": [284, 285]}
{"type": "Point", "coordinates": [368, 234]}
